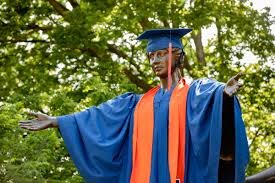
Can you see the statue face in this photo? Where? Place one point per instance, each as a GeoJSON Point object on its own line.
{"type": "Point", "coordinates": [159, 61]}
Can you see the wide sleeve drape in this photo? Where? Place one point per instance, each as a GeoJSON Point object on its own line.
{"type": "Point", "coordinates": [98, 139]}
{"type": "Point", "coordinates": [204, 132]}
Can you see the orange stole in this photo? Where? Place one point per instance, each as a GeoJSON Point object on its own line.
{"type": "Point", "coordinates": [143, 135]}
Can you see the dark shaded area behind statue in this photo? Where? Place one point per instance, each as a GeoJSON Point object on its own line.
{"type": "Point", "coordinates": [265, 176]}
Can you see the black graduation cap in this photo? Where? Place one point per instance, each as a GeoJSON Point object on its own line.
{"type": "Point", "coordinates": [160, 38]}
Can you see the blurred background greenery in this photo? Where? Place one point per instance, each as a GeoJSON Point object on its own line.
{"type": "Point", "coordinates": [60, 56]}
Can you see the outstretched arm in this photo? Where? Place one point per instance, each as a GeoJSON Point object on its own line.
{"type": "Point", "coordinates": [40, 122]}
{"type": "Point", "coordinates": [266, 176]}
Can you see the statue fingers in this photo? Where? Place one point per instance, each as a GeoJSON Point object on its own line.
{"type": "Point", "coordinates": [28, 121]}
{"type": "Point", "coordinates": [34, 128]}
{"type": "Point", "coordinates": [26, 127]}
{"type": "Point", "coordinates": [237, 77]}
{"type": "Point", "coordinates": [240, 84]}
{"type": "Point", "coordinates": [25, 124]}
{"type": "Point", "coordinates": [236, 89]}
{"type": "Point", "coordinates": [33, 113]}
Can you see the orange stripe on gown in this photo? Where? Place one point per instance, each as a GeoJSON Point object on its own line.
{"type": "Point", "coordinates": [143, 135]}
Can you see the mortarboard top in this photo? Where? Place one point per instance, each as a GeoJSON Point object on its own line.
{"type": "Point", "coordinates": [160, 38]}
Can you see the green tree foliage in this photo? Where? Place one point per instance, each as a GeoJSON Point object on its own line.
{"type": "Point", "coordinates": [59, 56]}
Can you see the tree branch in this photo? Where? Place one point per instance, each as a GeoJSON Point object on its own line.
{"type": "Point", "coordinates": [199, 47]}
{"type": "Point", "coordinates": [73, 3]}
{"type": "Point", "coordinates": [255, 136]}
{"type": "Point", "coordinates": [186, 63]}
{"type": "Point", "coordinates": [133, 78]}
{"type": "Point", "coordinates": [112, 48]}
{"type": "Point", "coordinates": [92, 52]}
{"type": "Point", "coordinates": [165, 23]}
{"type": "Point", "coordinates": [144, 23]}
{"type": "Point", "coordinates": [220, 40]}
{"type": "Point", "coordinates": [33, 26]}
{"type": "Point", "coordinates": [23, 41]}
{"type": "Point", "coordinates": [139, 82]}
{"type": "Point", "coordinates": [132, 62]}
{"type": "Point", "coordinates": [58, 7]}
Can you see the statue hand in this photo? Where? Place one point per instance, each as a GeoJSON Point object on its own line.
{"type": "Point", "coordinates": [232, 86]}
{"type": "Point", "coordinates": [41, 122]}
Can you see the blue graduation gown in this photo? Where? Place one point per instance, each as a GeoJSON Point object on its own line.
{"type": "Point", "coordinates": [204, 131]}
{"type": "Point", "coordinates": [159, 164]}
{"type": "Point", "coordinates": [99, 138]}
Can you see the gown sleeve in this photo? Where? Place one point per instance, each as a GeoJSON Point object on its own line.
{"type": "Point", "coordinates": [97, 138]}
{"type": "Point", "coordinates": [204, 133]}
